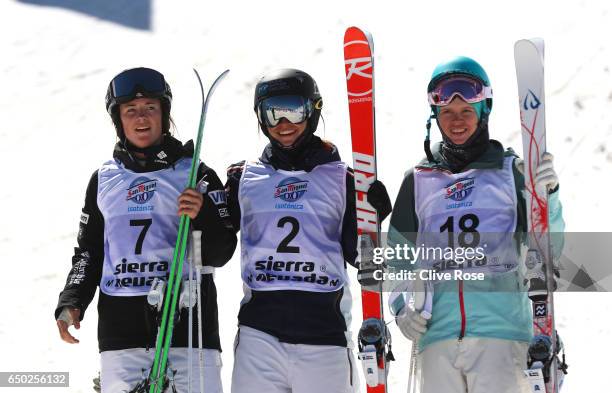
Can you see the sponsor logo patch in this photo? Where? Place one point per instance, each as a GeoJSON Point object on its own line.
{"type": "Point", "coordinates": [460, 189]}
{"type": "Point", "coordinates": [218, 197]}
{"type": "Point", "coordinates": [531, 101]}
{"type": "Point", "coordinates": [540, 309]}
{"type": "Point", "coordinates": [136, 274]}
{"type": "Point", "coordinates": [84, 218]}
{"type": "Point", "coordinates": [141, 190]}
{"type": "Point", "coordinates": [272, 270]}
{"type": "Point", "coordinates": [291, 189]}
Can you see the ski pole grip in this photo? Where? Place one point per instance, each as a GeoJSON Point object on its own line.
{"type": "Point", "coordinates": [196, 237]}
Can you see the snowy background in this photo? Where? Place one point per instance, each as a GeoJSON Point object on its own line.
{"type": "Point", "coordinates": [57, 57]}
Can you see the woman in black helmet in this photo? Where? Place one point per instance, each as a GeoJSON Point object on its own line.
{"type": "Point", "coordinates": [295, 208]}
{"type": "Point", "coordinates": [127, 234]}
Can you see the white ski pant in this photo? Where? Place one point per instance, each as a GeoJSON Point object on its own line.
{"type": "Point", "coordinates": [474, 365]}
{"type": "Point", "coordinates": [122, 370]}
{"type": "Point", "coordinates": [263, 364]}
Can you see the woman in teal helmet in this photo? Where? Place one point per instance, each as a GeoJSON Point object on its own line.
{"type": "Point", "coordinates": [466, 194]}
{"type": "Point", "coordinates": [454, 85]}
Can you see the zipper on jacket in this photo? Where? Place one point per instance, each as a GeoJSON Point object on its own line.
{"type": "Point", "coordinates": [462, 309]}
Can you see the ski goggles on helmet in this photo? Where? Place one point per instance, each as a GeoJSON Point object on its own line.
{"type": "Point", "coordinates": [471, 90]}
{"type": "Point", "coordinates": [295, 109]}
{"type": "Point", "coordinates": [126, 86]}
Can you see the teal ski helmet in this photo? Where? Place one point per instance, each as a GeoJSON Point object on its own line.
{"type": "Point", "coordinates": [458, 66]}
{"type": "Point", "coordinates": [461, 65]}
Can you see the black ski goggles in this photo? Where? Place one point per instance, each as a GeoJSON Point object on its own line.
{"type": "Point", "coordinates": [295, 109]}
{"type": "Point", "coordinates": [126, 86]}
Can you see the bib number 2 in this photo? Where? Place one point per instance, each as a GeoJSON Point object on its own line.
{"type": "Point", "coordinates": [284, 246]}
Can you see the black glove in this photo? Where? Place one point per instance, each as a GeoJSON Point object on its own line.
{"type": "Point", "coordinates": [379, 199]}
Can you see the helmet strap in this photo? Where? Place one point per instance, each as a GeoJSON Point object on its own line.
{"type": "Point", "coordinates": [427, 143]}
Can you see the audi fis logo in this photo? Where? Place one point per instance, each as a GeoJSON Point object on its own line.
{"type": "Point", "coordinates": [531, 101]}
{"type": "Point", "coordinates": [141, 190]}
{"type": "Point", "coordinates": [291, 189]}
{"type": "Point", "coordinates": [460, 189]}
{"type": "Point", "coordinates": [359, 68]}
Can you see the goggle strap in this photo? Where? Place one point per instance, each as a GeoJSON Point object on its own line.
{"type": "Point", "coordinates": [427, 143]}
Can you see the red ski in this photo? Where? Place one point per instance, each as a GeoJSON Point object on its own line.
{"type": "Point", "coordinates": [373, 335]}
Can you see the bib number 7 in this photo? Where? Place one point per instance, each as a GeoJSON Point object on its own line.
{"type": "Point", "coordinates": [145, 224]}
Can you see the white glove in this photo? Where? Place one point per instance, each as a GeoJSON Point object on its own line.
{"type": "Point", "coordinates": [412, 318]}
{"type": "Point", "coordinates": [411, 323]}
{"type": "Point", "coordinates": [545, 175]}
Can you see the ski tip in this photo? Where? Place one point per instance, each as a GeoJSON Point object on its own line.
{"type": "Point", "coordinates": [536, 41]}
{"type": "Point", "coordinates": [199, 81]}
{"type": "Point", "coordinates": [222, 76]}
{"type": "Point", "coordinates": [355, 34]}
{"type": "Point", "coordinates": [354, 31]}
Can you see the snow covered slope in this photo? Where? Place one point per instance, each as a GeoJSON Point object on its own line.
{"type": "Point", "coordinates": [57, 61]}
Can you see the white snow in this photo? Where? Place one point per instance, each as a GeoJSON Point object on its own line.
{"type": "Point", "coordinates": [56, 64]}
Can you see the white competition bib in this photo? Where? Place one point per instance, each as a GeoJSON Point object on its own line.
{"type": "Point", "coordinates": [140, 225]}
{"type": "Point", "coordinates": [291, 227]}
{"type": "Point", "coordinates": [475, 208]}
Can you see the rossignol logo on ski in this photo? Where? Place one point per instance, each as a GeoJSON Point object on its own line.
{"type": "Point", "coordinates": [531, 101]}
{"type": "Point", "coordinates": [460, 189]}
{"type": "Point", "coordinates": [141, 190]}
{"type": "Point", "coordinates": [359, 71]}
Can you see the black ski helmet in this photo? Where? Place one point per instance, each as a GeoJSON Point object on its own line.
{"type": "Point", "coordinates": [289, 81]}
{"type": "Point", "coordinates": [135, 83]}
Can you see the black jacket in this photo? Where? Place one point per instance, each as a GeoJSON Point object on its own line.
{"type": "Point", "coordinates": [125, 322]}
{"type": "Point", "coordinates": [299, 317]}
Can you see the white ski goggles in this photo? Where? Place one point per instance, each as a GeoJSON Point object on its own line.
{"type": "Point", "coordinates": [295, 109]}
{"type": "Point", "coordinates": [471, 90]}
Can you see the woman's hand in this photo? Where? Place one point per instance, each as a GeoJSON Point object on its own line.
{"type": "Point", "coordinates": [69, 316]}
{"type": "Point", "coordinates": [190, 202]}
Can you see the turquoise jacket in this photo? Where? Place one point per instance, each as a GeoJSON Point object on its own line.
{"type": "Point", "coordinates": [497, 307]}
